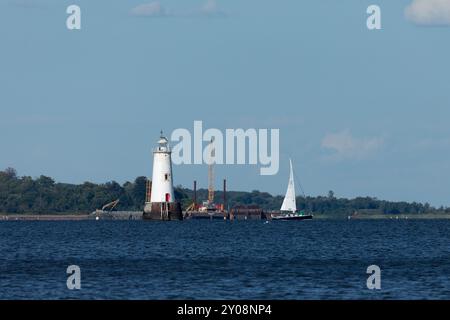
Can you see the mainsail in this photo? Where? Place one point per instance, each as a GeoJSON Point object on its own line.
{"type": "Point", "coordinates": [289, 203]}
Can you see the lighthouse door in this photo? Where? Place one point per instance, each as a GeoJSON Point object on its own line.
{"type": "Point", "coordinates": [167, 197]}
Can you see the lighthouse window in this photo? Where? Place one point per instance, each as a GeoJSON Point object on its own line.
{"type": "Point", "coordinates": [166, 177]}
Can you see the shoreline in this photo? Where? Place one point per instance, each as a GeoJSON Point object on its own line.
{"type": "Point", "coordinates": [86, 216]}
{"type": "Point", "coordinates": [44, 217]}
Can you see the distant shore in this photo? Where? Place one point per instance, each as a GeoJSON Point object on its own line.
{"type": "Point", "coordinates": [425, 216]}
{"type": "Point", "coordinates": [70, 216]}
{"type": "Point", "coordinates": [86, 216]}
{"type": "Point", "coordinates": [29, 196]}
{"type": "Point", "coordinates": [44, 217]}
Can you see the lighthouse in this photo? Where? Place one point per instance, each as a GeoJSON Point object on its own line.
{"type": "Point", "coordinates": [161, 203]}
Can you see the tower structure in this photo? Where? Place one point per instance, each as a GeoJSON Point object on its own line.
{"type": "Point", "coordinates": [162, 204]}
{"type": "Point", "coordinates": [212, 155]}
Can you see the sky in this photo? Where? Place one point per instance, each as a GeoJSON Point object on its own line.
{"type": "Point", "coordinates": [361, 112]}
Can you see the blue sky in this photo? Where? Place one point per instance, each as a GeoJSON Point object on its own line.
{"type": "Point", "coordinates": [360, 112]}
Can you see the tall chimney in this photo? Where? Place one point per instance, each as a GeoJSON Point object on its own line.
{"type": "Point", "coordinates": [224, 194]}
{"type": "Point", "coordinates": [195, 194]}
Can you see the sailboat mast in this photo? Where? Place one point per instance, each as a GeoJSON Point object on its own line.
{"type": "Point", "coordinates": [289, 202]}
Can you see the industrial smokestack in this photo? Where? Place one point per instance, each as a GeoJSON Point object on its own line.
{"type": "Point", "coordinates": [195, 195]}
{"type": "Point", "coordinates": [224, 194]}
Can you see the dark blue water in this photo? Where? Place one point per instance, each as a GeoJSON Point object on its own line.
{"type": "Point", "coordinates": [225, 260]}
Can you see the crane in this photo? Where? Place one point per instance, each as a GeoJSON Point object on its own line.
{"type": "Point", "coordinates": [110, 205]}
{"type": "Point", "coordinates": [211, 173]}
{"type": "Point", "coordinates": [208, 205]}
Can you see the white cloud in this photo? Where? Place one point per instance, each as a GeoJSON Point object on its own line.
{"type": "Point", "coordinates": [429, 12]}
{"type": "Point", "coordinates": [211, 8]}
{"type": "Point", "coordinates": [152, 9]}
{"type": "Point", "coordinates": [344, 145]}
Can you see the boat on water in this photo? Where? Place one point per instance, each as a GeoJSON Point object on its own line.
{"type": "Point", "coordinates": [289, 207]}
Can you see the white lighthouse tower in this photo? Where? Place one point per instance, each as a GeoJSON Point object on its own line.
{"type": "Point", "coordinates": [162, 204]}
{"type": "Point", "coordinates": [162, 182]}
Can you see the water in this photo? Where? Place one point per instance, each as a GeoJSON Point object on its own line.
{"type": "Point", "coordinates": [225, 260]}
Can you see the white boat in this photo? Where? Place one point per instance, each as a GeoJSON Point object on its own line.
{"type": "Point", "coordinates": [289, 207]}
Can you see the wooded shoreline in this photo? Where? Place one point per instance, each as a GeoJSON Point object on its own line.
{"type": "Point", "coordinates": [84, 216]}
{"type": "Point", "coordinates": [43, 197]}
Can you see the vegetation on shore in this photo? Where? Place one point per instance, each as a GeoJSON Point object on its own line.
{"type": "Point", "coordinates": [43, 195]}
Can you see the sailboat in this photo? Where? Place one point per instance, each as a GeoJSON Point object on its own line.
{"type": "Point", "coordinates": [289, 207]}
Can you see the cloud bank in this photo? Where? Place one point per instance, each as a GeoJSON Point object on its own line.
{"type": "Point", "coordinates": [429, 12]}
{"type": "Point", "coordinates": [345, 146]}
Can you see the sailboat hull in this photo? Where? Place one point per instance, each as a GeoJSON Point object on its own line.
{"type": "Point", "coordinates": [294, 217]}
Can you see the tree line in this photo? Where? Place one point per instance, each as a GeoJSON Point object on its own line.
{"type": "Point", "coordinates": [43, 195]}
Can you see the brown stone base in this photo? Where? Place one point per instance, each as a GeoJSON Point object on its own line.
{"type": "Point", "coordinates": [163, 211]}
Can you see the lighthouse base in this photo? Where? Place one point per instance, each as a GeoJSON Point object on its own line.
{"type": "Point", "coordinates": [163, 211]}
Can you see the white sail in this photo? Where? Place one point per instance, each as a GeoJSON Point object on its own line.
{"type": "Point", "coordinates": [289, 203]}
